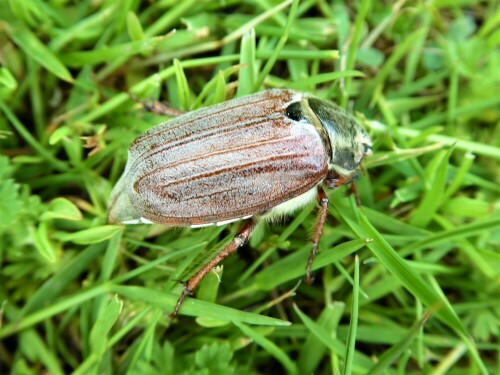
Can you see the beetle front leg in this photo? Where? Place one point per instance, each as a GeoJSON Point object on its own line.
{"type": "Point", "coordinates": [238, 241]}
{"type": "Point", "coordinates": [321, 219]}
{"type": "Point", "coordinates": [334, 181]}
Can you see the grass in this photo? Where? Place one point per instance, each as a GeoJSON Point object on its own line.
{"type": "Point", "coordinates": [407, 284]}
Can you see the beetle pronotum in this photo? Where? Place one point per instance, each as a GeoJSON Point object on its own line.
{"type": "Point", "coordinates": [251, 158]}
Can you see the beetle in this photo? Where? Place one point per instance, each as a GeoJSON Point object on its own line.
{"type": "Point", "coordinates": [252, 158]}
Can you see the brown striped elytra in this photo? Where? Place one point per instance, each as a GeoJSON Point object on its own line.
{"type": "Point", "coordinates": [251, 158]}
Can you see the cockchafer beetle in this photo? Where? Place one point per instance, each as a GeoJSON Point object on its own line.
{"type": "Point", "coordinates": [251, 158]}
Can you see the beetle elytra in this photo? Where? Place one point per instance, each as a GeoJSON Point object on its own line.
{"type": "Point", "coordinates": [251, 158]}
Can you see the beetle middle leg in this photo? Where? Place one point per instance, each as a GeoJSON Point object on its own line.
{"type": "Point", "coordinates": [238, 241]}
{"type": "Point", "coordinates": [321, 219]}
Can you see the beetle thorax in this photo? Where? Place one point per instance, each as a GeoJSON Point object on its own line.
{"type": "Point", "coordinates": [348, 149]}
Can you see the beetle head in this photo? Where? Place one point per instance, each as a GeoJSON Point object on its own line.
{"type": "Point", "coordinates": [346, 141]}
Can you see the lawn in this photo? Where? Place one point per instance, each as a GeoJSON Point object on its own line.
{"type": "Point", "coordinates": [408, 282]}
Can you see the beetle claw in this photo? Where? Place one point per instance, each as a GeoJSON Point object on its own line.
{"type": "Point", "coordinates": [187, 291]}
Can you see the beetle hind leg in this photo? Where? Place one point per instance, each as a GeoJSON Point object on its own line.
{"type": "Point", "coordinates": [238, 241]}
{"type": "Point", "coordinates": [321, 219]}
{"type": "Point", "coordinates": [157, 107]}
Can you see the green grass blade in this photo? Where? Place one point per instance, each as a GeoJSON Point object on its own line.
{"type": "Point", "coordinates": [34, 48]}
{"type": "Point", "coordinates": [194, 307]}
{"type": "Point", "coordinates": [404, 273]}
{"type": "Point", "coordinates": [353, 325]}
{"type": "Point", "coordinates": [270, 347]}
{"type": "Point", "coordinates": [391, 355]}
{"type": "Point", "coordinates": [293, 266]}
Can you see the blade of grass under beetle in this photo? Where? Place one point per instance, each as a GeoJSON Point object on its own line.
{"type": "Point", "coordinates": [361, 362]}
{"type": "Point", "coordinates": [353, 326]}
{"type": "Point", "coordinates": [194, 307]}
{"type": "Point", "coordinates": [409, 278]}
{"type": "Point", "coordinates": [270, 347]}
{"type": "Point", "coordinates": [64, 276]}
{"type": "Point", "coordinates": [389, 356]}
{"type": "Point", "coordinates": [130, 325]}
{"type": "Point", "coordinates": [313, 350]}
{"type": "Point", "coordinates": [292, 266]}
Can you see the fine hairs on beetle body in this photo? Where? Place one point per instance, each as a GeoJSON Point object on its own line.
{"type": "Point", "coordinates": [252, 158]}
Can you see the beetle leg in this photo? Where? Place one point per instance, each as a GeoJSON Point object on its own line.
{"type": "Point", "coordinates": [321, 219]}
{"type": "Point", "coordinates": [239, 240]}
{"type": "Point", "coordinates": [335, 181]}
{"type": "Point", "coordinates": [157, 107]}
